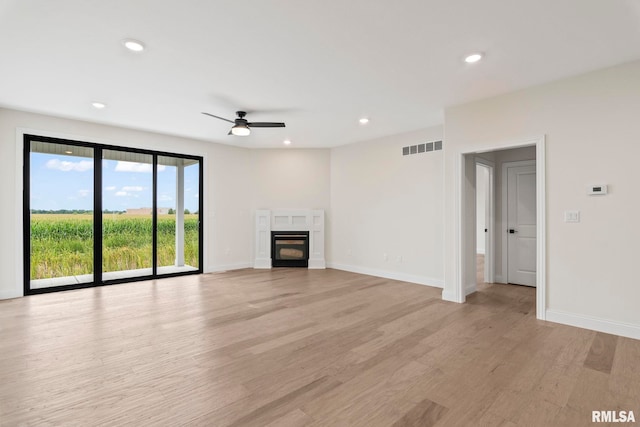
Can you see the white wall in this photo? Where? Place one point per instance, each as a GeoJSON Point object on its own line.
{"type": "Point", "coordinates": [386, 203]}
{"type": "Point", "coordinates": [291, 179]}
{"type": "Point", "coordinates": [592, 136]}
{"type": "Point", "coordinates": [227, 188]}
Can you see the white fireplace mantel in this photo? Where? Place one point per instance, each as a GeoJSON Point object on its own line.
{"type": "Point", "coordinates": [289, 220]}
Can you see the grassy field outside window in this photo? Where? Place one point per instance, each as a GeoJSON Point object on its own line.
{"type": "Point", "coordinates": [62, 244]}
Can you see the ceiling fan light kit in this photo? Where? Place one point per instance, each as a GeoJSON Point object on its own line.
{"type": "Point", "coordinates": [240, 130]}
{"type": "Point", "coordinates": [241, 127]}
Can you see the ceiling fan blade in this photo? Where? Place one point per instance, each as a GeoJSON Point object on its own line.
{"type": "Point", "coordinates": [265, 125]}
{"type": "Point", "coordinates": [230, 133]}
{"type": "Point", "coordinates": [217, 117]}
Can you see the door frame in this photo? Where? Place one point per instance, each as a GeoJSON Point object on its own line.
{"type": "Point", "coordinates": [490, 221]}
{"type": "Point", "coordinates": [505, 213]}
{"type": "Point", "coordinates": [465, 235]}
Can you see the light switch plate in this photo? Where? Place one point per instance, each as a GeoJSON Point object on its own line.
{"type": "Point", "coordinates": [571, 216]}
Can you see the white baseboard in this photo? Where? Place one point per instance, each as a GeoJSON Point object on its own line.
{"type": "Point", "coordinates": [411, 278]}
{"type": "Point", "coordinates": [450, 296]}
{"type": "Point", "coordinates": [10, 294]}
{"type": "Point", "coordinates": [262, 263]}
{"type": "Point", "coordinates": [498, 279]}
{"type": "Point", "coordinates": [227, 267]}
{"type": "Point", "coordinates": [317, 264]}
{"type": "Point", "coordinates": [596, 324]}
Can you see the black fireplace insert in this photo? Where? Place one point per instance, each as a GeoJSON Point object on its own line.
{"type": "Point", "coordinates": [290, 249]}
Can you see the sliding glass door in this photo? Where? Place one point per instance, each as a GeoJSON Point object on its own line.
{"type": "Point", "coordinates": [60, 220]}
{"type": "Point", "coordinates": [127, 214]}
{"type": "Point", "coordinates": [97, 214]}
{"type": "Point", "coordinates": [178, 215]}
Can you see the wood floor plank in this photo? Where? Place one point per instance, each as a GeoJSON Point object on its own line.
{"type": "Point", "coordinates": [625, 371]}
{"type": "Point", "coordinates": [276, 408]}
{"type": "Point", "coordinates": [298, 347]}
{"type": "Point", "coordinates": [295, 418]}
{"type": "Point", "coordinates": [425, 414]}
{"type": "Point", "coordinates": [370, 398]}
{"type": "Point", "coordinates": [590, 391]}
{"type": "Point", "coordinates": [602, 352]}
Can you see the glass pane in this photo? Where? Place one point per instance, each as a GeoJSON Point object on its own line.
{"type": "Point", "coordinates": [178, 214]}
{"type": "Point", "coordinates": [61, 204]}
{"type": "Point", "coordinates": [127, 220]}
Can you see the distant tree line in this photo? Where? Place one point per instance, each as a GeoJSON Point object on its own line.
{"type": "Point", "coordinates": [72, 211]}
{"type": "Point", "coordinates": [186, 211]}
{"type": "Point", "coordinates": [83, 211]}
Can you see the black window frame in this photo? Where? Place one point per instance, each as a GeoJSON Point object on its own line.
{"type": "Point", "coordinates": [97, 213]}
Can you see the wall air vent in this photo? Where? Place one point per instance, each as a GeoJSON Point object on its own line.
{"type": "Point", "coordinates": [422, 148]}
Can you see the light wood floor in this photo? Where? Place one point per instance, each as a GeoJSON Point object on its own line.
{"type": "Point", "coordinates": [297, 347]}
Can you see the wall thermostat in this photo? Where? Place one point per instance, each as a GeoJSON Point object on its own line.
{"type": "Point", "coordinates": [596, 190]}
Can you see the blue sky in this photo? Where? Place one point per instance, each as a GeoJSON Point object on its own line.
{"type": "Point", "coordinates": [66, 182]}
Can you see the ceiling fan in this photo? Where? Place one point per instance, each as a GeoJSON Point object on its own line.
{"type": "Point", "coordinates": [241, 127]}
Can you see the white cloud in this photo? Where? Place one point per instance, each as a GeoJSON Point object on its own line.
{"type": "Point", "coordinates": [164, 198]}
{"type": "Point", "coordinates": [136, 167]}
{"type": "Point", "coordinates": [132, 167]}
{"type": "Point", "coordinates": [110, 188]}
{"type": "Point", "coordinates": [197, 196]}
{"type": "Point", "coordinates": [121, 193]}
{"type": "Point", "coordinates": [133, 188]}
{"type": "Point", "coordinates": [65, 166]}
{"type": "Point", "coordinates": [84, 193]}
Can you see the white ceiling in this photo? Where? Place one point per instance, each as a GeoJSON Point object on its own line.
{"type": "Point", "coordinates": [318, 65]}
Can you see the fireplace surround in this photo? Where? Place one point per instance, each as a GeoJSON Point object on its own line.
{"type": "Point", "coordinates": [309, 221]}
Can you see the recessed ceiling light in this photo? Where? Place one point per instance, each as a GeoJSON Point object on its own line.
{"type": "Point", "coordinates": [474, 57]}
{"type": "Point", "coordinates": [286, 142]}
{"type": "Point", "coordinates": [68, 152]}
{"type": "Point", "coordinates": [133, 45]}
{"type": "Point", "coordinates": [364, 121]}
{"type": "Point", "coordinates": [98, 105]}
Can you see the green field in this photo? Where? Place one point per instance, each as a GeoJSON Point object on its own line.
{"type": "Point", "coordinates": [62, 244]}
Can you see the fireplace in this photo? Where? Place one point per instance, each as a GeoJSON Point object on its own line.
{"type": "Point", "coordinates": [308, 223]}
{"type": "Point", "coordinates": [290, 249]}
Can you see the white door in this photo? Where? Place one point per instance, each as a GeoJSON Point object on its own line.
{"type": "Point", "coordinates": [521, 225]}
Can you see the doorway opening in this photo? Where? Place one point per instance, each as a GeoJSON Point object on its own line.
{"type": "Point", "coordinates": [514, 243]}
{"type": "Point", "coordinates": [485, 222]}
